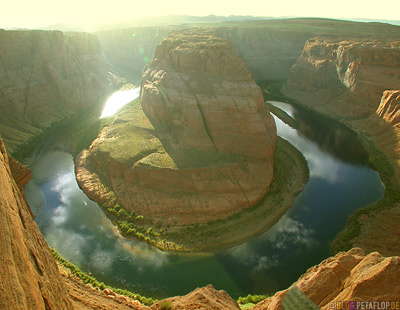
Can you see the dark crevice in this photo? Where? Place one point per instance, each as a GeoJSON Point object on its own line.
{"type": "Point", "coordinates": [36, 264]}
{"type": "Point", "coordinates": [205, 123]}
{"type": "Point", "coordinates": [22, 218]}
{"type": "Point", "coordinates": [46, 303]}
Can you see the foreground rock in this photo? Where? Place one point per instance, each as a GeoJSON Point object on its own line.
{"type": "Point", "coordinates": [198, 147]}
{"type": "Point", "coordinates": [348, 276]}
{"type": "Point", "coordinates": [201, 298]}
{"type": "Point", "coordinates": [29, 274]}
{"type": "Point", "coordinates": [48, 76]}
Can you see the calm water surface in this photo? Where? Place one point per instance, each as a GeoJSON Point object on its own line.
{"type": "Point", "coordinates": [340, 182]}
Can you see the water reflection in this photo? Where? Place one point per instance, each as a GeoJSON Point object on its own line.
{"type": "Point", "coordinates": [331, 136]}
{"type": "Point", "coordinates": [118, 100]}
{"type": "Point", "coordinates": [79, 230]}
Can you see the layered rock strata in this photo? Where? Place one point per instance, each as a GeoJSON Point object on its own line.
{"type": "Point", "coordinates": [29, 274]}
{"type": "Point", "coordinates": [357, 81]}
{"type": "Point", "coordinates": [348, 276]}
{"type": "Point", "coordinates": [48, 76]}
{"type": "Point", "coordinates": [198, 147]}
{"type": "Point", "coordinates": [345, 78]}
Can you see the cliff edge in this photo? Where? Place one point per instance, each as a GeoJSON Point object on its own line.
{"type": "Point", "coordinates": [198, 147]}
{"type": "Point", "coordinates": [46, 77]}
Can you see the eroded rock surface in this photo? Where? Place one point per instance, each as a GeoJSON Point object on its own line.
{"type": "Point", "coordinates": [47, 76]}
{"type": "Point", "coordinates": [348, 276]}
{"type": "Point", "coordinates": [29, 274]}
{"type": "Point", "coordinates": [345, 78]}
{"type": "Point", "coordinates": [198, 147]}
{"type": "Point", "coordinates": [201, 298]}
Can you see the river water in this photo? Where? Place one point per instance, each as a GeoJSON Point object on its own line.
{"type": "Point", "coordinates": [340, 182]}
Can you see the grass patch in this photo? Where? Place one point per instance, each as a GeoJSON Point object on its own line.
{"type": "Point", "coordinates": [85, 278]}
{"type": "Point", "coordinates": [251, 299]}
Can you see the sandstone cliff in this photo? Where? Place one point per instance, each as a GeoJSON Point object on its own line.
{"type": "Point", "coordinates": [30, 278]}
{"type": "Point", "coordinates": [357, 80]}
{"type": "Point", "coordinates": [348, 276]}
{"type": "Point", "coordinates": [47, 76]}
{"type": "Point", "coordinates": [29, 274]}
{"type": "Point", "coordinates": [345, 78]}
{"type": "Point", "coordinates": [268, 48]}
{"type": "Point", "coordinates": [198, 147]}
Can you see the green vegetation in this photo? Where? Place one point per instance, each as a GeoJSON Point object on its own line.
{"type": "Point", "coordinates": [86, 279]}
{"type": "Point", "coordinates": [379, 162]}
{"type": "Point", "coordinates": [253, 299]}
{"type": "Point", "coordinates": [135, 226]}
{"type": "Point", "coordinates": [166, 305]}
{"type": "Point", "coordinates": [290, 175]}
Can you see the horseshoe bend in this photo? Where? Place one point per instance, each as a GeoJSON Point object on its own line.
{"type": "Point", "coordinates": [197, 149]}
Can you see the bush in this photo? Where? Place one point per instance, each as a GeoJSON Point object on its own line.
{"type": "Point", "coordinates": [166, 305]}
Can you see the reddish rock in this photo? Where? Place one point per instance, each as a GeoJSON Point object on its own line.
{"type": "Point", "coordinates": [345, 78]}
{"type": "Point", "coordinates": [348, 276]}
{"type": "Point", "coordinates": [29, 274]}
{"type": "Point", "coordinates": [206, 298]}
{"type": "Point", "coordinates": [389, 108]}
{"type": "Point", "coordinates": [47, 76]}
{"type": "Point", "coordinates": [197, 148]}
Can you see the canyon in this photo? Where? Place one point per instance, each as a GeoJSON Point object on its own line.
{"type": "Point", "coordinates": [48, 76]}
{"type": "Point", "coordinates": [350, 72]}
{"type": "Point", "coordinates": [31, 278]}
{"type": "Point", "coordinates": [198, 147]}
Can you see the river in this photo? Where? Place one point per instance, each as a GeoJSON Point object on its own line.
{"type": "Point", "coordinates": [340, 182]}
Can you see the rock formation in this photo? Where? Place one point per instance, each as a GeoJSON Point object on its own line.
{"type": "Point", "coordinates": [202, 147]}
{"type": "Point", "coordinates": [201, 298]}
{"type": "Point", "coordinates": [357, 81]}
{"type": "Point", "coordinates": [348, 276]}
{"type": "Point", "coordinates": [29, 274]}
{"type": "Point", "coordinates": [30, 278]}
{"type": "Point", "coordinates": [345, 77]}
{"type": "Point", "coordinates": [48, 76]}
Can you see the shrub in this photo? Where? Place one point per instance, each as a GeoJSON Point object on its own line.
{"type": "Point", "coordinates": [165, 305]}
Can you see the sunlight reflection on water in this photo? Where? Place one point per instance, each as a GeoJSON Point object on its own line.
{"type": "Point", "coordinates": [118, 100]}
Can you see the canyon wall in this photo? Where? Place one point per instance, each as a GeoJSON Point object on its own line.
{"type": "Point", "coordinates": [348, 276]}
{"type": "Point", "coordinates": [46, 77]}
{"type": "Point", "coordinates": [356, 81]}
{"type": "Point", "coordinates": [31, 279]}
{"type": "Point", "coordinates": [29, 274]}
{"type": "Point", "coordinates": [268, 53]}
{"type": "Point", "coordinates": [345, 78]}
{"type": "Point", "coordinates": [268, 48]}
{"type": "Point", "coordinates": [199, 146]}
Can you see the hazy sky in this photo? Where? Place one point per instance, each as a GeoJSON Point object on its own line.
{"type": "Point", "coordinates": [37, 13]}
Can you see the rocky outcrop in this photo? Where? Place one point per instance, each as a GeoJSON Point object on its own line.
{"type": "Point", "coordinates": [348, 276]}
{"type": "Point", "coordinates": [47, 76]}
{"type": "Point", "coordinates": [201, 298]}
{"type": "Point", "coordinates": [199, 146]}
{"type": "Point", "coordinates": [345, 78]}
{"type": "Point", "coordinates": [389, 108]}
{"type": "Point", "coordinates": [29, 274]}
{"type": "Point", "coordinates": [357, 81]}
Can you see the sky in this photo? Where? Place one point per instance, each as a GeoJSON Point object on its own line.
{"type": "Point", "coordinates": [86, 13]}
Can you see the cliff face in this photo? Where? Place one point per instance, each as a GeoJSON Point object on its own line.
{"type": "Point", "coordinates": [345, 78]}
{"type": "Point", "coordinates": [199, 146]}
{"type": "Point", "coordinates": [47, 76]}
{"type": "Point", "coordinates": [29, 275]}
{"type": "Point", "coordinates": [267, 53]}
{"type": "Point", "coordinates": [348, 276]}
{"type": "Point", "coordinates": [129, 50]}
